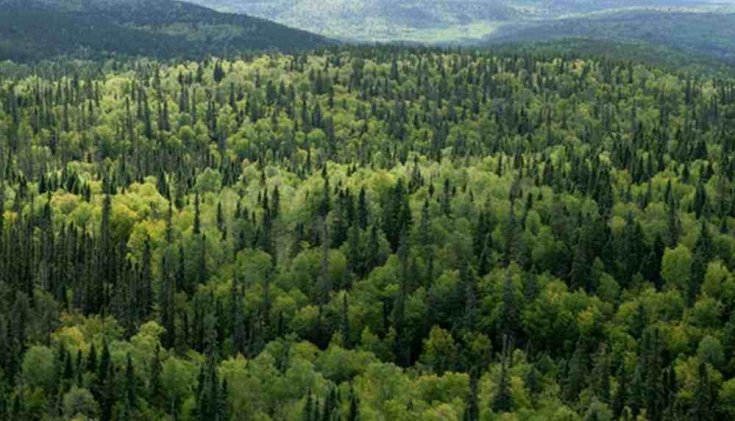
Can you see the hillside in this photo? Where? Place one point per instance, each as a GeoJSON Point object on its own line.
{"type": "Point", "coordinates": [42, 29]}
{"type": "Point", "coordinates": [560, 8]}
{"type": "Point", "coordinates": [426, 20]}
{"type": "Point", "coordinates": [697, 63]}
{"type": "Point", "coordinates": [380, 20]}
{"type": "Point", "coordinates": [693, 33]}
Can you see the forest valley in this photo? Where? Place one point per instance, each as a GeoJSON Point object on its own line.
{"type": "Point", "coordinates": [366, 234]}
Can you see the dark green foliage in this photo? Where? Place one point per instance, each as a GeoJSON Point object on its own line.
{"type": "Point", "coordinates": [503, 400]}
{"type": "Point", "coordinates": [388, 232]}
{"type": "Point", "coordinates": [41, 29]}
{"type": "Point", "coordinates": [699, 40]}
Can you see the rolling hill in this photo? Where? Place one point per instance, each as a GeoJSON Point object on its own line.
{"type": "Point", "coordinates": [381, 20]}
{"type": "Point", "coordinates": [427, 20]}
{"type": "Point", "coordinates": [696, 34]}
{"type": "Point", "coordinates": [42, 29]}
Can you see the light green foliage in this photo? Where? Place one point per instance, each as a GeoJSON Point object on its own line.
{"type": "Point", "coordinates": [675, 267]}
{"type": "Point", "coordinates": [178, 378]}
{"type": "Point", "coordinates": [710, 351]}
{"type": "Point", "coordinates": [375, 234]}
{"type": "Point", "coordinates": [38, 367]}
{"type": "Point", "coordinates": [80, 403]}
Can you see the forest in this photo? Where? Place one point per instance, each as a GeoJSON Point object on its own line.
{"type": "Point", "coordinates": [699, 34]}
{"type": "Point", "coordinates": [366, 233]}
{"type": "Point", "coordinates": [36, 30]}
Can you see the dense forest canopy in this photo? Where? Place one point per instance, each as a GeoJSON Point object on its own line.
{"type": "Point", "coordinates": [700, 65]}
{"type": "Point", "coordinates": [373, 234]}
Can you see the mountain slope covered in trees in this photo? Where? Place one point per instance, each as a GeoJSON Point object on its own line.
{"type": "Point", "coordinates": [695, 34]}
{"type": "Point", "coordinates": [668, 58]}
{"type": "Point", "coordinates": [43, 29]}
{"type": "Point", "coordinates": [366, 234]}
{"type": "Point", "coordinates": [431, 20]}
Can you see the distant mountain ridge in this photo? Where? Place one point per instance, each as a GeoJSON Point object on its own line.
{"type": "Point", "coordinates": [694, 33]}
{"type": "Point", "coordinates": [372, 20]}
{"type": "Point", "coordinates": [38, 29]}
{"type": "Point", "coordinates": [701, 28]}
{"type": "Point", "coordinates": [423, 20]}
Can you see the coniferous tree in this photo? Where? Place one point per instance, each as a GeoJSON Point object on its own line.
{"type": "Point", "coordinates": [145, 298]}
{"type": "Point", "coordinates": [509, 318]}
{"type": "Point", "coordinates": [472, 410]}
{"type": "Point", "coordinates": [155, 388]}
{"type": "Point", "coordinates": [702, 409]}
{"type": "Point", "coordinates": [503, 400]}
{"type": "Point", "coordinates": [131, 393]}
{"type": "Point", "coordinates": [576, 374]}
{"type": "Point", "coordinates": [353, 413]}
{"type": "Point", "coordinates": [702, 255]}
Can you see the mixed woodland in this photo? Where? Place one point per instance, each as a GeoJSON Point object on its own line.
{"type": "Point", "coordinates": [366, 234]}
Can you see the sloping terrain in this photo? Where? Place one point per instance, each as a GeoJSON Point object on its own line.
{"type": "Point", "coordinates": [155, 28]}
{"type": "Point", "coordinates": [426, 20]}
{"type": "Point", "coordinates": [380, 20]}
{"type": "Point", "coordinates": [700, 33]}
